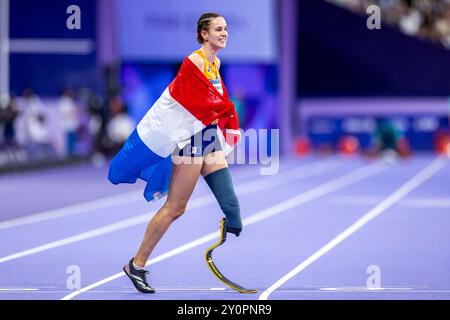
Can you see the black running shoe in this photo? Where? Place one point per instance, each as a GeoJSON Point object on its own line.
{"type": "Point", "coordinates": [138, 277]}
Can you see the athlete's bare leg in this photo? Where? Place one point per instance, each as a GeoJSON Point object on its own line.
{"type": "Point", "coordinates": [212, 162]}
{"type": "Point", "coordinates": [184, 178]}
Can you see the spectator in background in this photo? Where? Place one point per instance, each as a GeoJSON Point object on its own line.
{"type": "Point", "coordinates": [8, 116]}
{"type": "Point", "coordinates": [120, 124]}
{"type": "Point", "coordinates": [95, 124]}
{"type": "Point", "coordinates": [389, 140]}
{"type": "Point", "coordinates": [443, 28]}
{"type": "Point", "coordinates": [38, 139]}
{"type": "Point", "coordinates": [411, 20]}
{"type": "Point", "coordinates": [428, 19]}
{"type": "Point", "coordinates": [110, 125]}
{"type": "Point", "coordinates": [69, 120]}
{"type": "Point", "coordinates": [32, 111]}
{"type": "Point", "coordinates": [355, 5]}
{"type": "Point", "coordinates": [94, 105]}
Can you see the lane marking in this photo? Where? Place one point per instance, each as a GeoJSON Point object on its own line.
{"type": "Point", "coordinates": [426, 203]}
{"type": "Point", "coordinates": [371, 291]}
{"type": "Point", "coordinates": [73, 209]}
{"type": "Point", "coordinates": [259, 184]}
{"type": "Point", "coordinates": [18, 289]}
{"type": "Point", "coordinates": [122, 291]}
{"type": "Point", "coordinates": [406, 203]}
{"type": "Point", "coordinates": [426, 173]}
{"type": "Point", "coordinates": [362, 289]}
{"type": "Point", "coordinates": [162, 290]}
{"type": "Point", "coordinates": [101, 203]}
{"type": "Point", "coordinates": [330, 186]}
{"type": "Point", "coordinates": [356, 200]}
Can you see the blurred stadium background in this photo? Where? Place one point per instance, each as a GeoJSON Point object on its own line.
{"type": "Point", "coordinates": [340, 93]}
{"type": "Point", "coordinates": [311, 68]}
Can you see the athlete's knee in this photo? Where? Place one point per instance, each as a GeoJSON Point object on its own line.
{"type": "Point", "coordinates": [174, 211]}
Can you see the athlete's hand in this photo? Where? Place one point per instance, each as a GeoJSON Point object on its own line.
{"type": "Point", "coordinates": [215, 121]}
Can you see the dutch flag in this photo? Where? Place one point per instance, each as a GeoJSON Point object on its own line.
{"type": "Point", "coordinates": [187, 106]}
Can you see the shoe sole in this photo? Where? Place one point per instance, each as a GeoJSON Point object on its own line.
{"type": "Point", "coordinates": [135, 285]}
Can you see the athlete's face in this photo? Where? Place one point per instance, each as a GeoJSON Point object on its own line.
{"type": "Point", "coordinates": [217, 34]}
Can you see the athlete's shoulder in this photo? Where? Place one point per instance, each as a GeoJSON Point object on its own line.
{"type": "Point", "coordinates": [197, 59]}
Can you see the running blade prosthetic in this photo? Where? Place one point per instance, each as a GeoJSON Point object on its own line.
{"type": "Point", "coordinates": [215, 270]}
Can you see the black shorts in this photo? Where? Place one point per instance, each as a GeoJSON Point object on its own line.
{"type": "Point", "coordinates": [201, 144]}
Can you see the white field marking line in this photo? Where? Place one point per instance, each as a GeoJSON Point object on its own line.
{"type": "Point", "coordinates": [330, 186]}
{"type": "Point", "coordinates": [164, 290]}
{"type": "Point", "coordinates": [12, 289]}
{"type": "Point", "coordinates": [406, 203]}
{"type": "Point", "coordinates": [73, 209]}
{"type": "Point", "coordinates": [91, 205]}
{"type": "Point", "coordinates": [359, 289]}
{"type": "Point", "coordinates": [356, 200]}
{"type": "Point", "coordinates": [356, 289]}
{"type": "Point", "coordinates": [232, 291]}
{"type": "Point", "coordinates": [157, 289]}
{"type": "Point", "coordinates": [362, 291]}
{"type": "Point", "coordinates": [407, 187]}
{"type": "Point", "coordinates": [164, 256]}
{"type": "Point", "coordinates": [246, 188]}
{"type": "Point", "coordinates": [169, 288]}
{"type": "Point", "coordinates": [426, 203]}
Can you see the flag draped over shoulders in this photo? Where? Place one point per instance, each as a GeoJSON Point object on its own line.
{"type": "Point", "coordinates": [186, 107]}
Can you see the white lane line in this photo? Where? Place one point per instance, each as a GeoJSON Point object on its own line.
{"type": "Point", "coordinates": [74, 209]}
{"type": "Point", "coordinates": [406, 188]}
{"type": "Point", "coordinates": [405, 203]}
{"type": "Point", "coordinates": [92, 205]}
{"type": "Point", "coordinates": [160, 289]}
{"type": "Point", "coordinates": [356, 200]}
{"type": "Point", "coordinates": [232, 291]}
{"type": "Point", "coordinates": [121, 291]}
{"type": "Point", "coordinates": [402, 290]}
{"type": "Point", "coordinates": [159, 258]}
{"type": "Point", "coordinates": [426, 203]}
{"type": "Point", "coordinates": [18, 289]}
{"type": "Point", "coordinates": [243, 189]}
{"type": "Point", "coordinates": [330, 186]}
{"type": "Point", "coordinates": [362, 289]}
